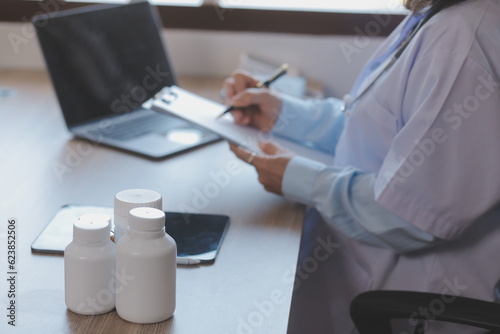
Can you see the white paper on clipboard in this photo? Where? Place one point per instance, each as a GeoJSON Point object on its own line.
{"type": "Point", "coordinates": [203, 112]}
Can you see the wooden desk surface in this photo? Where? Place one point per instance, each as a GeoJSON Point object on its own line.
{"type": "Point", "coordinates": [247, 290]}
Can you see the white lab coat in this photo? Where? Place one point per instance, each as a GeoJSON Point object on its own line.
{"type": "Point", "coordinates": [430, 129]}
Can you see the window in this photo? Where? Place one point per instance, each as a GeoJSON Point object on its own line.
{"type": "Point", "coordinates": [317, 17]}
{"type": "Point", "coordinates": [355, 6]}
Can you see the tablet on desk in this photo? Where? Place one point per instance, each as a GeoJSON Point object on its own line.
{"type": "Point", "coordinates": [198, 236]}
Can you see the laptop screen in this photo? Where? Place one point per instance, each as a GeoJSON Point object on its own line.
{"type": "Point", "coordinates": [104, 59]}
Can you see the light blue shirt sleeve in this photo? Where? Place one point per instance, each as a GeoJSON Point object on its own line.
{"type": "Point", "coordinates": [313, 123]}
{"type": "Point", "coordinates": [345, 199]}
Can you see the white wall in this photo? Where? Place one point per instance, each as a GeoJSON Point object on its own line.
{"type": "Point", "coordinates": [332, 60]}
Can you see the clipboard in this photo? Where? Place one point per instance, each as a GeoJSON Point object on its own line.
{"type": "Point", "coordinates": [203, 112]}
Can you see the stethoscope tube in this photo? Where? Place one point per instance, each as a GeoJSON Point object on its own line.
{"type": "Point", "coordinates": [349, 100]}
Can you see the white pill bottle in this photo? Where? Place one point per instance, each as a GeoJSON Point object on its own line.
{"type": "Point", "coordinates": [146, 263]}
{"type": "Point", "coordinates": [127, 200]}
{"type": "Point", "coordinates": [89, 262]}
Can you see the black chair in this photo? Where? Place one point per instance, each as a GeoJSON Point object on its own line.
{"type": "Point", "coordinates": [372, 311]}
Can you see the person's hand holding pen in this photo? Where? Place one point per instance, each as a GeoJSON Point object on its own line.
{"type": "Point", "coordinates": [257, 107]}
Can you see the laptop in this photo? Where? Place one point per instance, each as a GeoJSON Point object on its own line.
{"type": "Point", "coordinates": [105, 62]}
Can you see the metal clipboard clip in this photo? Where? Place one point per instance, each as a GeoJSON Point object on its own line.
{"type": "Point", "coordinates": [166, 95]}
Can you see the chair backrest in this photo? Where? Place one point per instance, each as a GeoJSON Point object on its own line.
{"type": "Point", "coordinates": [372, 311]}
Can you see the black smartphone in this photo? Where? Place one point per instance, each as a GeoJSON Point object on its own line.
{"type": "Point", "coordinates": [198, 236]}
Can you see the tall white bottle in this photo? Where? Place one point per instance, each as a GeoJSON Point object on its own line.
{"type": "Point", "coordinates": [146, 259]}
{"type": "Point", "coordinates": [129, 199]}
{"type": "Point", "coordinates": [89, 262]}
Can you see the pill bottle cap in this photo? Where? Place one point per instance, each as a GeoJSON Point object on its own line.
{"type": "Point", "coordinates": [92, 228]}
{"type": "Point", "coordinates": [146, 219]}
{"type": "Point", "coordinates": [126, 200]}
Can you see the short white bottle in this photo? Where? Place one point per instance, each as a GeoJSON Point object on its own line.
{"type": "Point", "coordinates": [127, 200]}
{"type": "Point", "coordinates": [146, 259]}
{"type": "Point", "coordinates": [89, 262]}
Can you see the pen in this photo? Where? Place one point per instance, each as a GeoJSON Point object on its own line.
{"type": "Point", "coordinates": [277, 74]}
{"type": "Point", "coordinates": [185, 261]}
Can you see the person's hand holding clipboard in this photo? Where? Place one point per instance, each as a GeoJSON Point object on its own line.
{"type": "Point", "coordinates": [253, 105]}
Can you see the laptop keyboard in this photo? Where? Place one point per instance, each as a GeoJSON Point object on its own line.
{"type": "Point", "coordinates": [133, 127]}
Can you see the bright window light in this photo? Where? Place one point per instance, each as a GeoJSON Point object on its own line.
{"type": "Point", "coordinates": [354, 6]}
